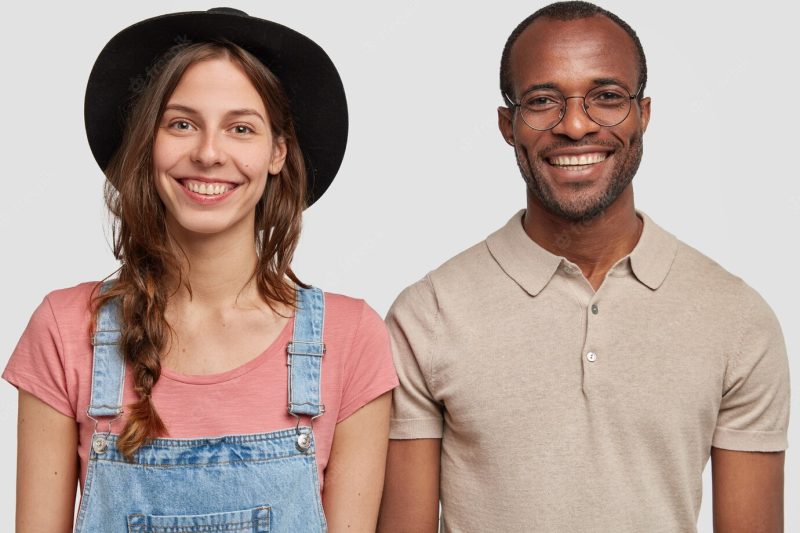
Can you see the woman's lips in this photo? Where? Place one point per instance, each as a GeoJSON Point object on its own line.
{"type": "Point", "coordinates": [206, 191]}
{"type": "Point", "coordinates": [207, 188]}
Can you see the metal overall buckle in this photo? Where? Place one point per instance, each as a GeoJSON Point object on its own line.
{"type": "Point", "coordinates": [303, 442]}
{"type": "Point", "coordinates": [100, 441]}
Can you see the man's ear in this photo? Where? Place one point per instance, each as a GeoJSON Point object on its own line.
{"type": "Point", "coordinates": [644, 113]}
{"type": "Point", "coordinates": [505, 121]}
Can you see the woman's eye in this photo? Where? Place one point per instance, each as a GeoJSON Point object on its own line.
{"type": "Point", "coordinates": [181, 125]}
{"type": "Point", "coordinates": [242, 129]}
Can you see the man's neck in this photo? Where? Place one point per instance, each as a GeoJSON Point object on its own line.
{"type": "Point", "coordinates": [594, 245]}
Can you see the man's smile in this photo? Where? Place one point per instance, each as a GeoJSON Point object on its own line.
{"type": "Point", "coordinates": [576, 162]}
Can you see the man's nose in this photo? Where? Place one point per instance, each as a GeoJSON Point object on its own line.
{"type": "Point", "coordinates": [575, 123]}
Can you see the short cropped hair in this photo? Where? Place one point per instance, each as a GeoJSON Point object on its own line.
{"type": "Point", "coordinates": [567, 11]}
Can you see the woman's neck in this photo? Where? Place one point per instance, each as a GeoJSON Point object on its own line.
{"type": "Point", "coordinates": [218, 268]}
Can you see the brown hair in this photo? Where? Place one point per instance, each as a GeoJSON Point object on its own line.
{"type": "Point", "coordinates": [141, 242]}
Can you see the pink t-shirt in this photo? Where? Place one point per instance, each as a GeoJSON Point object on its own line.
{"type": "Point", "coordinates": [53, 361]}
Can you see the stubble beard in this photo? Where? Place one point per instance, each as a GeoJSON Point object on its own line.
{"type": "Point", "coordinates": [582, 208]}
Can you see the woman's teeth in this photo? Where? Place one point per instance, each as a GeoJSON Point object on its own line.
{"type": "Point", "coordinates": [577, 160]}
{"type": "Point", "coordinates": [209, 189]}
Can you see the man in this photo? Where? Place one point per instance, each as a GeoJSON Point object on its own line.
{"type": "Point", "coordinates": [575, 371]}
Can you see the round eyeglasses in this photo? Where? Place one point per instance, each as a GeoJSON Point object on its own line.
{"type": "Point", "coordinates": [606, 105]}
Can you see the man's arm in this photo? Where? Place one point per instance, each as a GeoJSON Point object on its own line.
{"type": "Point", "coordinates": [748, 491]}
{"type": "Point", "coordinates": [411, 490]}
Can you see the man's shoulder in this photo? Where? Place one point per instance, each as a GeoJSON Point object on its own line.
{"type": "Point", "coordinates": [452, 277]}
{"type": "Point", "coordinates": [693, 264]}
{"type": "Point", "coordinates": [464, 265]}
{"type": "Point", "coordinates": [703, 277]}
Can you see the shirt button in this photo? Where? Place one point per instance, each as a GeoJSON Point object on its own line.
{"type": "Point", "coordinates": [591, 357]}
{"type": "Point", "coordinates": [595, 309]}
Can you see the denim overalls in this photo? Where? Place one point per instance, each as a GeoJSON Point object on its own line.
{"type": "Point", "coordinates": [237, 483]}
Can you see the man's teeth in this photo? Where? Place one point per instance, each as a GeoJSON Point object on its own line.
{"type": "Point", "coordinates": [576, 160]}
{"type": "Point", "coordinates": [208, 189]}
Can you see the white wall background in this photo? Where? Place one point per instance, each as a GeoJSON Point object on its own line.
{"type": "Point", "coordinates": [426, 172]}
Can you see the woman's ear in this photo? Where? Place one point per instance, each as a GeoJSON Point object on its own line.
{"type": "Point", "coordinates": [279, 151]}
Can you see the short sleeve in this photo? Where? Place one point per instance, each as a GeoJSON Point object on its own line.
{"type": "Point", "coordinates": [368, 369]}
{"type": "Point", "coordinates": [37, 364]}
{"type": "Point", "coordinates": [416, 414]}
{"type": "Point", "coordinates": [754, 412]}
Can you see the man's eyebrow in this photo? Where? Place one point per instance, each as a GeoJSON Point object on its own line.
{"type": "Point", "coordinates": [611, 81]}
{"type": "Point", "coordinates": [597, 82]}
{"type": "Point", "coordinates": [537, 86]}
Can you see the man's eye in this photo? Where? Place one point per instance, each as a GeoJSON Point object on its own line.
{"type": "Point", "coordinates": [609, 96]}
{"type": "Point", "coordinates": [607, 99]}
{"type": "Point", "coordinates": [541, 102]}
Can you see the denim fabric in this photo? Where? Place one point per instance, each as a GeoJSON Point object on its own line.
{"type": "Point", "coordinates": [107, 372]}
{"type": "Point", "coordinates": [237, 483]}
{"type": "Point", "coordinates": [305, 354]}
{"type": "Point", "coordinates": [248, 520]}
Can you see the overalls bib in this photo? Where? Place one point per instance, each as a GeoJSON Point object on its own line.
{"type": "Point", "coordinates": [263, 482]}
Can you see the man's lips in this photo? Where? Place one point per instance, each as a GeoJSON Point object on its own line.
{"type": "Point", "coordinates": [584, 159]}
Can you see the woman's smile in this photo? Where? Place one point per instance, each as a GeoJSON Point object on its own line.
{"type": "Point", "coordinates": [214, 150]}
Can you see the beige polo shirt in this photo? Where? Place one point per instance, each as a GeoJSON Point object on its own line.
{"type": "Point", "coordinates": [562, 409]}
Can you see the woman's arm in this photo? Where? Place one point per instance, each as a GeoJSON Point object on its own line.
{"type": "Point", "coordinates": [354, 476]}
{"type": "Point", "coordinates": [47, 467]}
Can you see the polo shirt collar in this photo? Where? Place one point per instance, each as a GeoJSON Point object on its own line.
{"type": "Point", "coordinates": [532, 267]}
{"type": "Point", "coordinates": [654, 254]}
{"type": "Point", "coordinates": [524, 261]}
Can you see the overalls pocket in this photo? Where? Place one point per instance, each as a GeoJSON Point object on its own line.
{"type": "Point", "coordinates": [254, 520]}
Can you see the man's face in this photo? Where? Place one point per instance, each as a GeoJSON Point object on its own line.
{"type": "Point", "coordinates": [575, 57]}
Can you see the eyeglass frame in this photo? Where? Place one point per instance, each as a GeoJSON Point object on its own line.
{"type": "Point", "coordinates": [563, 112]}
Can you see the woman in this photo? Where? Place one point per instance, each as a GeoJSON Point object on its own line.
{"type": "Point", "coordinates": [158, 380]}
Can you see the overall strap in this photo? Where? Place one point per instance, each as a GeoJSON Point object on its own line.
{"type": "Point", "coordinates": [305, 352]}
{"type": "Point", "coordinates": [108, 366]}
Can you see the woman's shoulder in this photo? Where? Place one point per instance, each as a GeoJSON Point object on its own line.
{"type": "Point", "coordinates": [73, 301]}
{"type": "Point", "coordinates": [352, 324]}
{"type": "Point", "coordinates": [347, 310]}
{"type": "Point", "coordinates": [76, 293]}
{"type": "Point", "coordinates": [357, 337]}
{"type": "Point", "coordinates": [67, 311]}
{"type": "Point", "coordinates": [54, 353]}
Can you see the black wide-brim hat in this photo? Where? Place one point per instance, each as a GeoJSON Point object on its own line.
{"type": "Point", "coordinates": [309, 77]}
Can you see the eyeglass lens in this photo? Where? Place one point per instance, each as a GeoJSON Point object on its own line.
{"type": "Point", "coordinates": [607, 105]}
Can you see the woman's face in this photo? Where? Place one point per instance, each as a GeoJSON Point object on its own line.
{"type": "Point", "coordinates": [213, 151]}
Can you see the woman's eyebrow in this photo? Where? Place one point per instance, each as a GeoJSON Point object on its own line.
{"type": "Point", "coordinates": [182, 108]}
{"type": "Point", "coordinates": [245, 111]}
